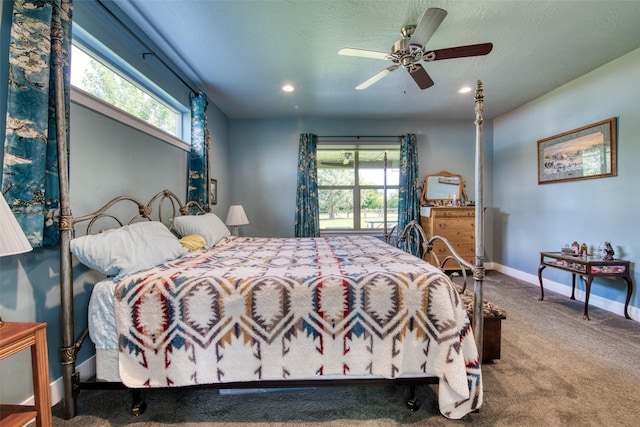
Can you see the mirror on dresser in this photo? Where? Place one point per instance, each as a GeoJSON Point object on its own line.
{"type": "Point", "coordinates": [445, 213]}
{"type": "Point", "coordinates": [443, 189]}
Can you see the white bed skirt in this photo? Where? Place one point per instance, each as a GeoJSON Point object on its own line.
{"type": "Point", "coordinates": [107, 369]}
{"type": "Point", "coordinates": [107, 365]}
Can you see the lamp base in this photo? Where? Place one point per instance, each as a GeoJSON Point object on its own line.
{"type": "Point", "coordinates": [235, 231]}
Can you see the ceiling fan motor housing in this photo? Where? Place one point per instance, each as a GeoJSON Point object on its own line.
{"type": "Point", "coordinates": [406, 54]}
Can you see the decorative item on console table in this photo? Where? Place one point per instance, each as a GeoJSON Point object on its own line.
{"type": "Point", "coordinates": [608, 252]}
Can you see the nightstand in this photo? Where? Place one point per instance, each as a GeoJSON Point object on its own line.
{"type": "Point", "coordinates": [15, 337]}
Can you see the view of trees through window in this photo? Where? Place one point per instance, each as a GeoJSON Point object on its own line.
{"type": "Point", "coordinates": [112, 87]}
{"type": "Point", "coordinates": [351, 187]}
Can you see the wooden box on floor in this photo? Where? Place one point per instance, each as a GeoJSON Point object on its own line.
{"type": "Point", "coordinates": [492, 316]}
{"type": "Point", "coordinates": [491, 335]}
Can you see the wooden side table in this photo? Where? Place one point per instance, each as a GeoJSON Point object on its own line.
{"type": "Point", "coordinates": [15, 337]}
{"type": "Point", "coordinates": [588, 267]}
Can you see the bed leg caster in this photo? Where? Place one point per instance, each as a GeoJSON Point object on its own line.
{"type": "Point", "coordinates": [138, 405]}
{"type": "Point", "coordinates": [413, 403]}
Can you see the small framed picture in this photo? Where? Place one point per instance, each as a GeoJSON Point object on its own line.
{"type": "Point", "coordinates": [213, 192]}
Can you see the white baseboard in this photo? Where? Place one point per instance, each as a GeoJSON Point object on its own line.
{"type": "Point", "coordinates": [87, 369]}
{"type": "Point", "coordinates": [561, 288]}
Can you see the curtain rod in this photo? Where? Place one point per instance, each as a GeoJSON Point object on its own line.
{"type": "Point", "coordinates": [360, 136]}
{"type": "Point", "coordinates": [150, 51]}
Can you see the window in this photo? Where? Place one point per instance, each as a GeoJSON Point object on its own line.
{"type": "Point", "coordinates": [351, 186]}
{"type": "Point", "coordinates": [94, 75]}
{"type": "Point", "coordinates": [97, 78]}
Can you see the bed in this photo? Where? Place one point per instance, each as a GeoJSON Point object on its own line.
{"type": "Point", "coordinates": [246, 310]}
{"type": "Point", "coordinates": [257, 312]}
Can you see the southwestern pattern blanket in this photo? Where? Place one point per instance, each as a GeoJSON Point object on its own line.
{"type": "Point", "coordinates": [252, 309]}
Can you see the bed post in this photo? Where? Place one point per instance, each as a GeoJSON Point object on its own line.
{"type": "Point", "coordinates": [478, 273]}
{"type": "Point", "coordinates": [67, 349]}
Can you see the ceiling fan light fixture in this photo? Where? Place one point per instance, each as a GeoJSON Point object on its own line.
{"type": "Point", "coordinates": [288, 88]}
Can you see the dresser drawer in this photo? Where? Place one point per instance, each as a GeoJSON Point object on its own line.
{"type": "Point", "coordinates": [450, 264]}
{"type": "Point", "coordinates": [458, 236]}
{"type": "Point", "coordinates": [463, 249]}
{"type": "Point", "coordinates": [440, 250]}
{"type": "Point", "coordinates": [454, 213]}
{"type": "Point", "coordinates": [445, 225]}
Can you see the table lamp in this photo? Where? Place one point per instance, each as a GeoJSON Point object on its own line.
{"type": "Point", "coordinates": [236, 217]}
{"type": "Point", "coordinates": [12, 238]}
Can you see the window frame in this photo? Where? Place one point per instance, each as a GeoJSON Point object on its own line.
{"type": "Point", "coordinates": [92, 47]}
{"type": "Point", "coordinates": [357, 188]}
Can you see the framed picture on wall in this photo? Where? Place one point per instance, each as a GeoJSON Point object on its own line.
{"type": "Point", "coordinates": [213, 192]}
{"type": "Point", "coordinates": [584, 153]}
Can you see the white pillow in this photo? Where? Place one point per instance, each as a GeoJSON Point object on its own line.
{"type": "Point", "coordinates": [208, 226]}
{"type": "Point", "coordinates": [128, 249]}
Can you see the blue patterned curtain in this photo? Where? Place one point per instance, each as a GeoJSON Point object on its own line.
{"type": "Point", "coordinates": [307, 210]}
{"type": "Point", "coordinates": [198, 183]}
{"type": "Point", "coordinates": [409, 192]}
{"type": "Point", "coordinates": [30, 164]}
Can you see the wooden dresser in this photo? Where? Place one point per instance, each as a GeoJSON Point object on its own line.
{"type": "Point", "coordinates": [458, 226]}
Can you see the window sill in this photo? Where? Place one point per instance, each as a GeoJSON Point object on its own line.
{"type": "Point", "coordinates": [374, 233]}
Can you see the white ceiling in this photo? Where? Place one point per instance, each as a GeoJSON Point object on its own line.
{"type": "Point", "coordinates": [241, 52]}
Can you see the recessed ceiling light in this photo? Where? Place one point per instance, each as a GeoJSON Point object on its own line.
{"type": "Point", "coordinates": [288, 88]}
{"type": "Point", "coordinates": [465, 89]}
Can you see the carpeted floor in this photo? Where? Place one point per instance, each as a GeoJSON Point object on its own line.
{"type": "Point", "coordinates": [556, 370]}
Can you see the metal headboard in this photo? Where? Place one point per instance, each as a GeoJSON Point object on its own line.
{"type": "Point", "coordinates": [163, 207]}
{"type": "Point", "coordinates": [119, 211]}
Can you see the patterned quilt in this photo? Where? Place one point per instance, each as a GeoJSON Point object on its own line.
{"type": "Point", "coordinates": [254, 309]}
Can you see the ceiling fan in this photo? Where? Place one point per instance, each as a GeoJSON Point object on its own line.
{"type": "Point", "coordinates": [345, 158]}
{"type": "Point", "coordinates": [410, 50]}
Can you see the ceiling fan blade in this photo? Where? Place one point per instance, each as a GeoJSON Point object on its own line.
{"type": "Point", "coordinates": [377, 77]}
{"type": "Point", "coordinates": [363, 53]}
{"type": "Point", "coordinates": [421, 76]}
{"type": "Point", "coordinates": [458, 52]}
{"type": "Point", "coordinates": [428, 25]}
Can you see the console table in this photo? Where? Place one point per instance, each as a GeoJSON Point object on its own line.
{"type": "Point", "coordinates": [588, 267]}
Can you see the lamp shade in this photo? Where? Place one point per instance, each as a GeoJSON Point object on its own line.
{"type": "Point", "coordinates": [12, 238]}
{"type": "Point", "coordinates": [236, 216]}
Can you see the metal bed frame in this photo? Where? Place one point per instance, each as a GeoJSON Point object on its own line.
{"type": "Point", "coordinates": [70, 347]}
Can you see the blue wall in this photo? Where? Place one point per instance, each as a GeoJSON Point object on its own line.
{"type": "Point", "coordinates": [264, 155]}
{"type": "Point", "coordinates": [107, 159]}
{"type": "Point", "coordinates": [255, 163]}
{"type": "Point", "coordinates": [531, 218]}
